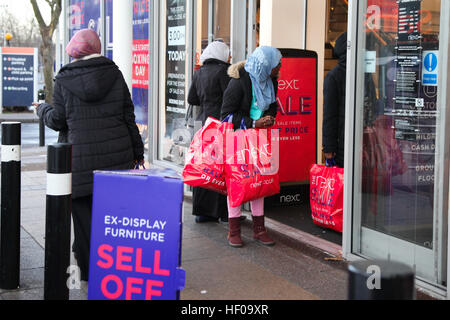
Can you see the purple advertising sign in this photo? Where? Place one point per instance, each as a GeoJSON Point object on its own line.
{"type": "Point", "coordinates": [136, 236]}
{"type": "Point", "coordinates": [84, 14]}
{"type": "Point", "coordinates": [87, 14]}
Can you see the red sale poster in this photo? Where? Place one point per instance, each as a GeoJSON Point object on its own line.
{"type": "Point", "coordinates": [297, 114]}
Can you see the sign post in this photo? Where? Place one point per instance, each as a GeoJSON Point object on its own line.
{"type": "Point", "coordinates": [136, 236]}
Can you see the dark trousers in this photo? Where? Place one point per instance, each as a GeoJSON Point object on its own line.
{"type": "Point", "coordinates": [82, 216]}
{"type": "Point", "coordinates": [209, 203]}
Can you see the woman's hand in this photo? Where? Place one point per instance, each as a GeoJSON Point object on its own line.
{"type": "Point", "coordinates": [271, 121]}
{"type": "Point", "coordinates": [265, 122]}
{"type": "Point", "coordinates": [36, 107]}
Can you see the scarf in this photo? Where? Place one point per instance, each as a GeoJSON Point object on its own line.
{"type": "Point", "coordinates": [215, 50]}
{"type": "Point", "coordinates": [84, 43]}
{"type": "Point", "coordinates": [259, 66]}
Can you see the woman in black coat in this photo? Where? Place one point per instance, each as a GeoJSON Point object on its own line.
{"type": "Point", "coordinates": [206, 91]}
{"type": "Point", "coordinates": [251, 96]}
{"type": "Point", "coordinates": [92, 109]}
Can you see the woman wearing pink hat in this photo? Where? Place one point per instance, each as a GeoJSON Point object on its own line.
{"type": "Point", "coordinates": [92, 110]}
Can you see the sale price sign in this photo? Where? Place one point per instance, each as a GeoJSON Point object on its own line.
{"type": "Point", "coordinates": [297, 114]}
{"type": "Point", "coordinates": [136, 236]}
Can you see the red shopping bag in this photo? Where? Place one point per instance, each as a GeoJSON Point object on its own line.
{"type": "Point", "coordinates": [326, 196]}
{"type": "Point", "coordinates": [251, 165]}
{"type": "Point", "coordinates": [205, 158]}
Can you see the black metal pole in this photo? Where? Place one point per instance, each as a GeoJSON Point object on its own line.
{"type": "Point", "coordinates": [41, 98]}
{"type": "Point", "coordinates": [57, 224]}
{"type": "Point", "coordinates": [10, 207]}
{"type": "Point", "coordinates": [41, 133]}
{"type": "Point", "coordinates": [380, 280]}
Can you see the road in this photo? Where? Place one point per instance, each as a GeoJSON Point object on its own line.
{"type": "Point", "coordinates": [34, 157]}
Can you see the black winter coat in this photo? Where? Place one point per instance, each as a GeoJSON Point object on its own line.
{"type": "Point", "coordinates": [237, 98]}
{"type": "Point", "coordinates": [208, 84]}
{"type": "Point", "coordinates": [92, 110]}
{"type": "Point", "coordinates": [333, 131]}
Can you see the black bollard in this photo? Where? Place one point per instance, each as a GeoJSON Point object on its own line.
{"type": "Point", "coordinates": [57, 224]}
{"type": "Point", "coordinates": [41, 98]}
{"type": "Point", "coordinates": [380, 280]}
{"type": "Point", "coordinates": [10, 211]}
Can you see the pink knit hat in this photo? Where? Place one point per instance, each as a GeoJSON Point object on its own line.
{"type": "Point", "coordinates": [85, 42]}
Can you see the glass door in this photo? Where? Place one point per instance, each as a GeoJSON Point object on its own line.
{"type": "Point", "coordinates": [399, 142]}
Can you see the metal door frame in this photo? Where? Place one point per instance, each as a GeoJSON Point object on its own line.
{"type": "Point", "coordinates": [352, 140]}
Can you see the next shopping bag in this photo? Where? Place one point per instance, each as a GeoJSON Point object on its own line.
{"type": "Point", "coordinates": [205, 158]}
{"type": "Point", "coordinates": [251, 165]}
{"type": "Point", "coordinates": [326, 196]}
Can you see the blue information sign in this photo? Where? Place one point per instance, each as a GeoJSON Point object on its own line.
{"type": "Point", "coordinates": [430, 68]}
{"type": "Point", "coordinates": [18, 77]}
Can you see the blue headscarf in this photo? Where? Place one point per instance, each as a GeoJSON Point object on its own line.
{"type": "Point", "coordinates": [259, 65]}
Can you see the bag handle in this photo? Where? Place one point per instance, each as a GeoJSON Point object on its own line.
{"type": "Point", "coordinates": [189, 112]}
{"type": "Point", "coordinates": [229, 118]}
{"type": "Point", "coordinates": [243, 126]}
{"type": "Point", "coordinates": [330, 162]}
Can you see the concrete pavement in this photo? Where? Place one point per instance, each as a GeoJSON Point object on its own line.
{"type": "Point", "coordinates": [290, 270]}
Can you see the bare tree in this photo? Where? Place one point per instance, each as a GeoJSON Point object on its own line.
{"type": "Point", "coordinates": [47, 48]}
{"type": "Point", "coordinates": [25, 33]}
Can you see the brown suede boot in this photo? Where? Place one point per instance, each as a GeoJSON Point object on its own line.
{"type": "Point", "coordinates": [260, 232]}
{"type": "Point", "coordinates": [234, 234]}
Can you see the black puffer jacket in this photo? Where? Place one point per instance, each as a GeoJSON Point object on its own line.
{"type": "Point", "coordinates": [237, 99]}
{"type": "Point", "coordinates": [208, 85]}
{"type": "Point", "coordinates": [333, 132]}
{"type": "Point", "coordinates": [92, 109]}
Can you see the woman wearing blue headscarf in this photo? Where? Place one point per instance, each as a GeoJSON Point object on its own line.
{"type": "Point", "coordinates": [251, 97]}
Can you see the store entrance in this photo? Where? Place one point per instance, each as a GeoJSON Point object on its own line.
{"type": "Point", "coordinates": [400, 187]}
{"type": "Point", "coordinates": [226, 20]}
{"type": "Point", "coordinates": [292, 206]}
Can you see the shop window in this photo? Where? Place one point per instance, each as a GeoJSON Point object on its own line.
{"type": "Point", "coordinates": [173, 138]}
{"type": "Point", "coordinates": [397, 133]}
{"type": "Point", "coordinates": [337, 20]}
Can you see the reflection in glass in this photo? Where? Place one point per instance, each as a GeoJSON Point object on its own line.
{"type": "Point", "coordinates": [399, 118]}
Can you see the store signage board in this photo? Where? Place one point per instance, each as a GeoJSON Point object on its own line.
{"type": "Point", "coordinates": [297, 115]}
{"type": "Point", "coordinates": [141, 60]}
{"type": "Point", "coordinates": [409, 54]}
{"type": "Point", "coordinates": [136, 236]}
{"type": "Point", "coordinates": [176, 138]}
{"type": "Point", "coordinates": [18, 76]}
{"type": "Point", "coordinates": [414, 112]}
